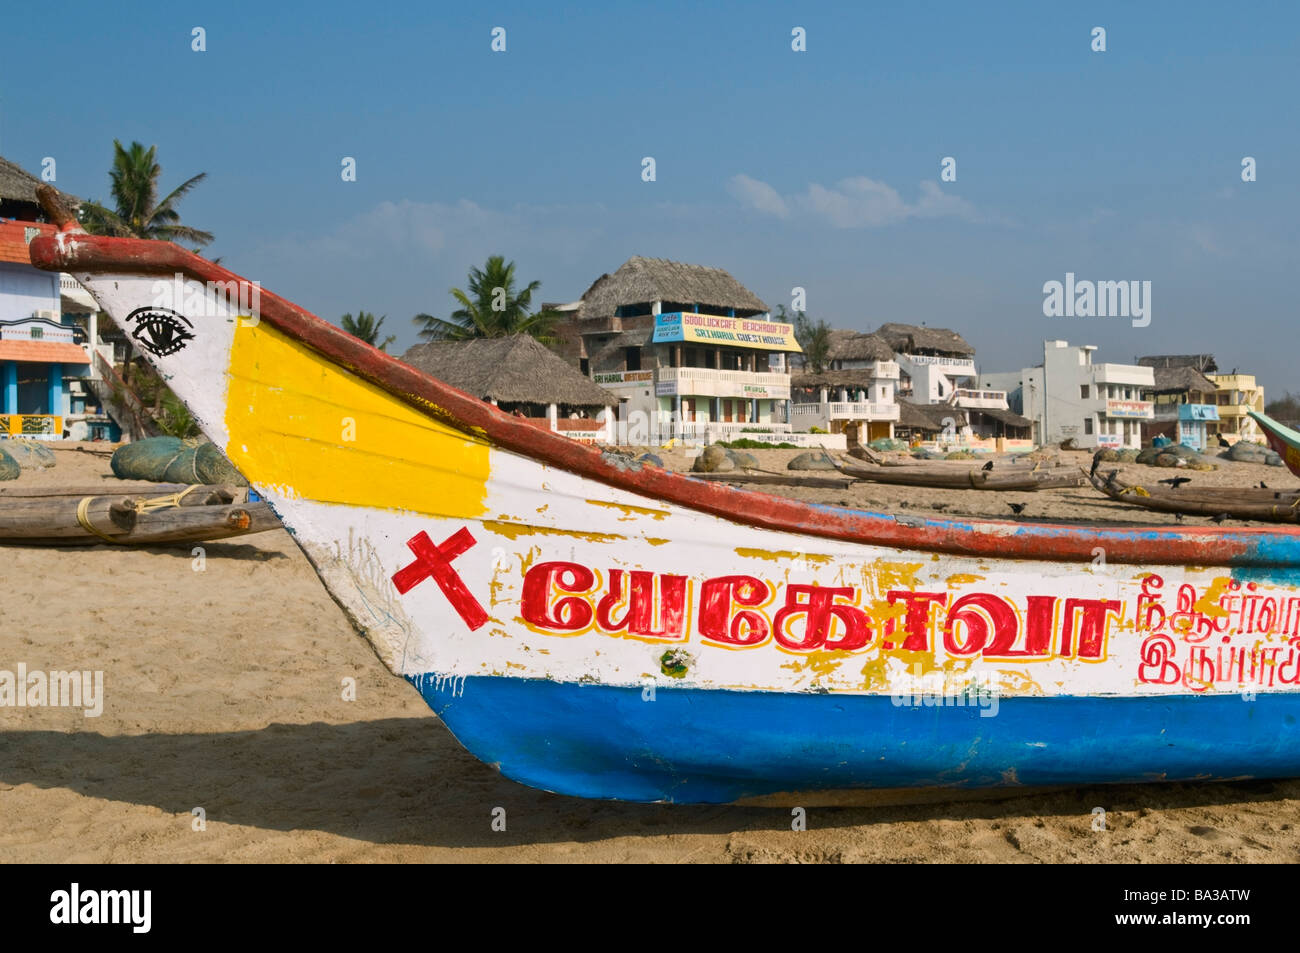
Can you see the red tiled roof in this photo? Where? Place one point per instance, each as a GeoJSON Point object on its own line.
{"type": "Point", "coordinates": [13, 240]}
{"type": "Point", "coordinates": [43, 352]}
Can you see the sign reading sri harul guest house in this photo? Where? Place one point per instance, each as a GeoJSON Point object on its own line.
{"type": "Point", "coordinates": [715, 329]}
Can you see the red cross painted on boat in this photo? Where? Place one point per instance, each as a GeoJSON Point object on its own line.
{"type": "Point", "coordinates": [435, 562]}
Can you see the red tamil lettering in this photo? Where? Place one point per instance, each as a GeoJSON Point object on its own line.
{"type": "Point", "coordinates": [1288, 671]}
{"type": "Point", "coordinates": [639, 616]}
{"type": "Point", "coordinates": [820, 611]}
{"type": "Point", "coordinates": [1196, 677]}
{"type": "Point", "coordinates": [1094, 624]}
{"type": "Point", "coordinates": [1158, 667]}
{"type": "Point", "coordinates": [916, 620]}
{"type": "Point", "coordinates": [983, 614]}
{"type": "Point", "coordinates": [568, 614]}
{"type": "Point", "coordinates": [745, 627]}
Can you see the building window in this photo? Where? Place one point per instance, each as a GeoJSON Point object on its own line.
{"type": "Point", "coordinates": [632, 356]}
{"type": "Point", "coordinates": [584, 365]}
{"type": "Point", "coordinates": [1087, 425]}
{"type": "Point", "coordinates": [1083, 392]}
{"type": "Point", "coordinates": [38, 333]}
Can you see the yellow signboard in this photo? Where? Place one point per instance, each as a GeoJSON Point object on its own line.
{"type": "Point", "coordinates": [733, 332]}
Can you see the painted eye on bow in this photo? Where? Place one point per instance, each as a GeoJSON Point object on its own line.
{"type": "Point", "coordinates": [159, 330]}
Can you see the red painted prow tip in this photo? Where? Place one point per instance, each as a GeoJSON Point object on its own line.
{"type": "Point", "coordinates": [52, 201]}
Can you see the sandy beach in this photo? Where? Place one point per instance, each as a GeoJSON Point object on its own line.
{"type": "Point", "coordinates": [223, 691]}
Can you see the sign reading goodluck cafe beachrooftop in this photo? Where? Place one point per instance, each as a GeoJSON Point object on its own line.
{"type": "Point", "coordinates": [715, 329]}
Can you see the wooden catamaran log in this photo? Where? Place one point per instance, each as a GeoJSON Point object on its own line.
{"type": "Point", "coordinates": [193, 513]}
{"type": "Point", "coordinates": [58, 519]}
{"type": "Point", "coordinates": [777, 479]}
{"type": "Point", "coordinates": [973, 478]}
{"type": "Point", "coordinates": [204, 496]}
{"type": "Point", "coordinates": [1246, 503]}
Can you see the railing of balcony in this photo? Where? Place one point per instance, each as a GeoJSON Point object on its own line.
{"type": "Point", "coordinates": [980, 394]}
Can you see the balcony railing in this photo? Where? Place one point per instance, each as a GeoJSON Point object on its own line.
{"type": "Point", "coordinates": [710, 382]}
{"type": "Point", "coordinates": [807, 414]}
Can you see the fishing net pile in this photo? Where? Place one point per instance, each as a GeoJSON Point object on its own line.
{"type": "Point", "coordinates": [9, 468]}
{"type": "Point", "coordinates": [173, 460]}
{"type": "Point", "coordinates": [17, 455]}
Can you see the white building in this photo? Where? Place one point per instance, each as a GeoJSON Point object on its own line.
{"type": "Point", "coordinates": [857, 393]}
{"type": "Point", "coordinates": [1070, 397]}
{"type": "Point", "coordinates": [690, 352]}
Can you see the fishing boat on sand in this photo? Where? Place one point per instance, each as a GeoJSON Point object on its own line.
{"type": "Point", "coordinates": [1284, 441]}
{"type": "Point", "coordinates": [958, 477]}
{"type": "Point", "coordinates": [596, 627]}
{"type": "Point", "coordinates": [1238, 503]}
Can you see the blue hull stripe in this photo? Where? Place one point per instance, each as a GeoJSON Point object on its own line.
{"type": "Point", "coordinates": [698, 746]}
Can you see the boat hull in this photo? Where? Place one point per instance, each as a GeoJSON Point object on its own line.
{"type": "Point", "coordinates": [600, 628]}
{"type": "Point", "coordinates": [687, 745]}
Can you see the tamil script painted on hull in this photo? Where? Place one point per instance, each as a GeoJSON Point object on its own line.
{"type": "Point", "coordinates": [1218, 638]}
{"type": "Point", "coordinates": [1227, 636]}
{"type": "Point", "coordinates": [743, 611]}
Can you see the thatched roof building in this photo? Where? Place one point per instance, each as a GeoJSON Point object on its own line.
{"type": "Point", "coordinates": [18, 193]}
{"type": "Point", "coordinates": [858, 346]}
{"type": "Point", "coordinates": [508, 370]}
{"type": "Point", "coordinates": [641, 281]}
{"type": "Point", "coordinates": [1180, 380]}
{"type": "Point", "coordinates": [929, 418]}
{"type": "Point", "coordinates": [917, 339]}
{"type": "Point", "coordinates": [1202, 363]}
{"type": "Point", "coordinates": [831, 379]}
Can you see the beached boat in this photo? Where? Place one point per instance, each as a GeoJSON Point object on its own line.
{"type": "Point", "coordinates": [949, 476]}
{"type": "Point", "coordinates": [1284, 441]}
{"type": "Point", "coordinates": [1238, 503]}
{"type": "Point", "coordinates": [600, 628]}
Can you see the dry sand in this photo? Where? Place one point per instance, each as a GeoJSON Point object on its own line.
{"type": "Point", "coordinates": [223, 692]}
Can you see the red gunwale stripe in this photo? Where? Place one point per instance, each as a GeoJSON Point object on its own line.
{"type": "Point", "coordinates": [75, 251]}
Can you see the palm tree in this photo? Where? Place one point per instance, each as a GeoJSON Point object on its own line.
{"type": "Point", "coordinates": [491, 308]}
{"type": "Point", "coordinates": [365, 327]}
{"type": "Point", "coordinates": [813, 337]}
{"type": "Point", "coordinates": [138, 213]}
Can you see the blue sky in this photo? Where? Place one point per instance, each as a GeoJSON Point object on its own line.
{"type": "Point", "coordinates": [817, 169]}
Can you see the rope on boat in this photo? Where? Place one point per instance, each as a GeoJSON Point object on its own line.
{"type": "Point", "coordinates": [82, 517]}
{"type": "Point", "coordinates": [140, 505]}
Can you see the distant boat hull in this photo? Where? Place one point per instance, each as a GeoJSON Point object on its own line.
{"type": "Point", "coordinates": [1284, 441]}
{"type": "Point", "coordinates": [600, 628]}
{"type": "Point", "coordinates": [1243, 503]}
{"type": "Point", "coordinates": [948, 477]}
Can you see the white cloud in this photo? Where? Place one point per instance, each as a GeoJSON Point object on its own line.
{"type": "Point", "coordinates": [857, 202]}
{"type": "Point", "coordinates": [758, 195]}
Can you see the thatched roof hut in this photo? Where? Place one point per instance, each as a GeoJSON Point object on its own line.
{"type": "Point", "coordinates": [859, 346]}
{"type": "Point", "coordinates": [1202, 363]}
{"type": "Point", "coordinates": [832, 379]}
{"type": "Point", "coordinates": [929, 418]}
{"type": "Point", "coordinates": [916, 339]}
{"type": "Point", "coordinates": [18, 193]}
{"type": "Point", "coordinates": [1180, 380]}
{"type": "Point", "coordinates": [511, 370]}
{"type": "Point", "coordinates": [642, 281]}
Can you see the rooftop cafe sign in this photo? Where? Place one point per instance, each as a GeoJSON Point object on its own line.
{"type": "Point", "coordinates": [735, 332]}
